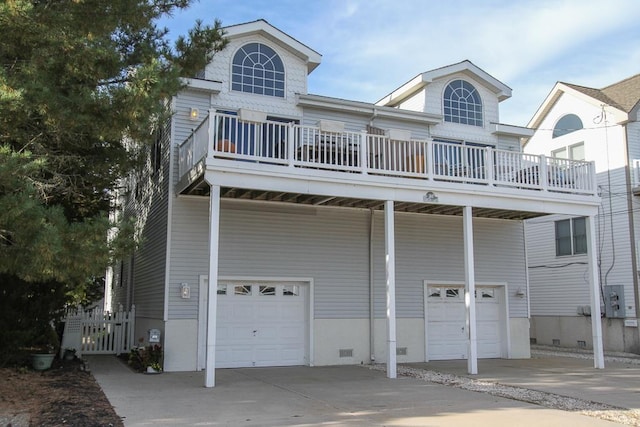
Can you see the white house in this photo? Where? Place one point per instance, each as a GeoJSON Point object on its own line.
{"type": "Point", "coordinates": [284, 228]}
{"type": "Point", "coordinates": [600, 125]}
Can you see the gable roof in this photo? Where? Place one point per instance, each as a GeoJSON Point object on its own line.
{"type": "Point", "coordinates": [623, 96]}
{"type": "Point", "coordinates": [263, 28]}
{"type": "Point", "coordinates": [421, 80]}
{"type": "Point", "coordinates": [626, 92]}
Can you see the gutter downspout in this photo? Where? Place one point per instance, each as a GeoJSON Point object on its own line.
{"type": "Point", "coordinates": [371, 289]}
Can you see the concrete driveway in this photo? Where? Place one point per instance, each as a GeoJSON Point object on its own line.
{"type": "Point", "coordinates": [353, 396]}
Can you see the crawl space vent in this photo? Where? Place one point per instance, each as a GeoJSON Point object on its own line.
{"type": "Point", "coordinates": [346, 352]}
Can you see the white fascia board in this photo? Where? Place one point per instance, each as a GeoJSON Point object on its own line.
{"type": "Point", "coordinates": [202, 85]}
{"type": "Point", "coordinates": [619, 115]}
{"type": "Point", "coordinates": [501, 90]}
{"type": "Point", "coordinates": [364, 108]}
{"type": "Point", "coordinates": [511, 130]}
{"type": "Point", "coordinates": [404, 91]}
{"type": "Point", "coordinates": [546, 105]}
{"type": "Point", "coordinates": [262, 27]}
{"type": "Point", "coordinates": [362, 186]}
{"type": "Point", "coordinates": [560, 89]}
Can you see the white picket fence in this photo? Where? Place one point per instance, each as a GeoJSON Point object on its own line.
{"type": "Point", "coordinates": [99, 332]}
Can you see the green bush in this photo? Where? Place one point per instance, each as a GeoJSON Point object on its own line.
{"type": "Point", "coordinates": [142, 357]}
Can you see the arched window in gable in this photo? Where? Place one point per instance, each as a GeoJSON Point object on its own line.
{"type": "Point", "coordinates": [567, 124]}
{"type": "Point", "coordinates": [258, 69]}
{"type": "Point", "coordinates": [462, 104]}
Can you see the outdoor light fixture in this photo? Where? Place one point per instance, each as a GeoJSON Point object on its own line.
{"type": "Point", "coordinates": [185, 291]}
{"type": "Point", "coordinates": [520, 293]}
{"type": "Point", "coordinates": [193, 114]}
{"type": "Point", "coordinates": [430, 197]}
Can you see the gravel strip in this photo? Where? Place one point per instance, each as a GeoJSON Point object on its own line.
{"type": "Point", "coordinates": [549, 400]}
{"type": "Point", "coordinates": [544, 351]}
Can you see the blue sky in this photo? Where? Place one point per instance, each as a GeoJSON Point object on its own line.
{"type": "Point", "coordinates": [371, 47]}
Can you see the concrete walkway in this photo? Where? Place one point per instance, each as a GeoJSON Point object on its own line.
{"type": "Point", "coordinates": [357, 396]}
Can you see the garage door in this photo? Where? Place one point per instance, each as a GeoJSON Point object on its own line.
{"type": "Point", "coordinates": [261, 324]}
{"type": "Point", "coordinates": [446, 327]}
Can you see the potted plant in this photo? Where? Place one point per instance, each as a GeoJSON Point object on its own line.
{"type": "Point", "coordinates": [146, 359]}
{"type": "Point", "coordinates": [44, 348]}
{"type": "Point", "coordinates": [69, 354]}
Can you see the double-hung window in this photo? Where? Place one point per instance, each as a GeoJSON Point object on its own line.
{"type": "Point", "coordinates": [571, 236]}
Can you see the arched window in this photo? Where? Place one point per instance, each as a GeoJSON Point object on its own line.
{"type": "Point", "coordinates": [567, 124]}
{"type": "Point", "coordinates": [258, 69]}
{"type": "Point", "coordinates": [462, 104]}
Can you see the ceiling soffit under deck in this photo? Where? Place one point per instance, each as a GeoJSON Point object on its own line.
{"type": "Point", "coordinates": [234, 193]}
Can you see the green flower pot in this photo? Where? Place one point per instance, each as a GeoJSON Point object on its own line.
{"type": "Point", "coordinates": [42, 362]}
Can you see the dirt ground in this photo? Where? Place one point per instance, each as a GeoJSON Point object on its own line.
{"type": "Point", "coordinates": [65, 395]}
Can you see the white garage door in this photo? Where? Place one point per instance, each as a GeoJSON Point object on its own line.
{"type": "Point", "coordinates": [446, 329]}
{"type": "Point", "coordinates": [261, 324]}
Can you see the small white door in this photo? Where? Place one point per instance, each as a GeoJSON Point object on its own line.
{"type": "Point", "coordinates": [446, 322]}
{"type": "Point", "coordinates": [261, 324]}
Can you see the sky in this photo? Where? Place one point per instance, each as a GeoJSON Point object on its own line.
{"type": "Point", "coordinates": [371, 47]}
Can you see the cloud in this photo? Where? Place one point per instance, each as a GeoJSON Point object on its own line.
{"type": "Point", "coordinates": [371, 47]}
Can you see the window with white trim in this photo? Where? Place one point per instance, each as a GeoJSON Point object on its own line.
{"type": "Point", "coordinates": [462, 104]}
{"type": "Point", "coordinates": [572, 152]}
{"type": "Point", "coordinates": [567, 124]}
{"type": "Point", "coordinates": [571, 236]}
{"type": "Point", "coordinates": [258, 69]}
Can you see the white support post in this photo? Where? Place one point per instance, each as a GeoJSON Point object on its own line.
{"type": "Point", "coordinates": [214, 234]}
{"type": "Point", "coordinates": [390, 267]}
{"type": "Point", "coordinates": [594, 291]}
{"type": "Point", "coordinates": [429, 156]}
{"type": "Point", "coordinates": [543, 174]}
{"type": "Point", "coordinates": [470, 291]}
{"type": "Point", "coordinates": [489, 168]}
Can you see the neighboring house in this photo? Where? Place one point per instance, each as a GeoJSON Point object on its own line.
{"type": "Point", "coordinates": [284, 228]}
{"type": "Point", "coordinates": [601, 125]}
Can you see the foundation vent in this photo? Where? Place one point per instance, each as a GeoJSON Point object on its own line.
{"type": "Point", "coordinates": [582, 344]}
{"type": "Point", "coordinates": [556, 341]}
{"type": "Point", "coordinates": [401, 351]}
{"type": "Point", "coordinates": [346, 352]}
{"type": "Point", "coordinates": [533, 341]}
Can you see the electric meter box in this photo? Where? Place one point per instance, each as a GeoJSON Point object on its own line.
{"type": "Point", "coordinates": [154, 335]}
{"type": "Point", "coordinates": [614, 301]}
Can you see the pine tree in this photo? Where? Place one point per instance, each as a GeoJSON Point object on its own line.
{"type": "Point", "coordinates": [78, 79]}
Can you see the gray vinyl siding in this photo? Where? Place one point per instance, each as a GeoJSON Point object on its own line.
{"type": "Point", "coordinates": [353, 122]}
{"type": "Point", "coordinates": [613, 233]}
{"type": "Point", "coordinates": [182, 125]}
{"type": "Point", "coordinates": [430, 247]}
{"type": "Point", "coordinates": [331, 246]}
{"type": "Point", "coordinates": [150, 208]}
{"type": "Point", "coordinates": [633, 142]}
{"type": "Point", "coordinates": [560, 284]}
{"type": "Point", "coordinates": [357, 123]}
{"type": "Point", "coordinates": [508, 143]}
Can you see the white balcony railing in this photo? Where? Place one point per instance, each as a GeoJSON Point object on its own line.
{"type": "Point", "coordinates": [225, 136]}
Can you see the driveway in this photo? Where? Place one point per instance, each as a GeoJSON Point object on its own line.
{"type": "Point", "coordinates": [351, 396]}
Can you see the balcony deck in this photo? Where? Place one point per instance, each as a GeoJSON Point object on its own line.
{"type": "Point", "coordinates": [275, 148]}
